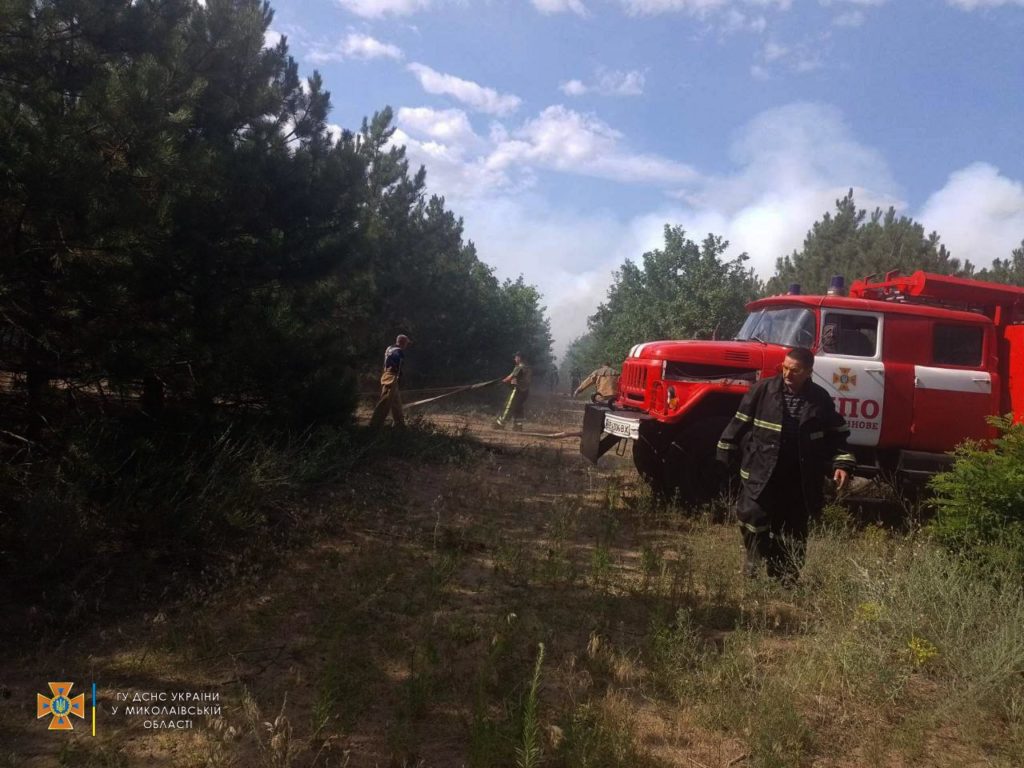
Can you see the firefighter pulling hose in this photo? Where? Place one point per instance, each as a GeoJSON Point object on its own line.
{"type": "Point", "coordinates": [390, 400]}
{"type": "Point", "coordinates": [481, 385]}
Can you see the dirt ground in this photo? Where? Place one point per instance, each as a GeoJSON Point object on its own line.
{"type": "Point", "coordinates": [413, 550]}
{"type": "Point", "coordinates": [409, 629]}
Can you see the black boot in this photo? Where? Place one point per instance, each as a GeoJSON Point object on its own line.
{"type": "Point", "coordinates": [753, 553]}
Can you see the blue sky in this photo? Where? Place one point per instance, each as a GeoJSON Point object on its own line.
{"type": "Point", "coordinates": [567, 133]}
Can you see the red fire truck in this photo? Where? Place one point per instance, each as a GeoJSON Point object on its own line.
{"type": "Point", "coordinates": [914, 364]}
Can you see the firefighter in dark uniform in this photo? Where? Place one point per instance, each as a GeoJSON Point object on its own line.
{"type": "Point", "coordinates": [785, 437]}
{"type": "Point", "coordinates": [519, 378]}
{"type": "Point", "coordinates": [390, 398]}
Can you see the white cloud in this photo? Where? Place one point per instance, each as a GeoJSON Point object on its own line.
{"type": "Point", "coordinates": [355, 45]}
{"type": "Point", "coordinates": [455, 155]}
{"type": "Point", "coordinates": [560, 6]}
{"type": "Point", "coordinates": [699, 8]}
{"type": "Point", "coordinates": [971, 5]}
{"type": "Point", "coordinates": [609, 82]}
{"type": "Point", "coordinates": [807, 62]}
{"type": "Point", "coordinates": [573, 88]}
{"type": "Point", "coordinates": [462, 163]}
{"type": "Point", "coordinates": [773, 56]}
{"type": "Point", "coordinates": [774, 51]}
{"type": "Point", "coordinates": [735, 20]}
{"type": "Point", "coordinates": [792, 163]}
{"type": "Point", "coordinates": [446, 125]}
{"type": "Point", "coordinates": [849, 19]}
{"type": "Point", "coordinates": [372, 9]}
{"type": "Point", "coordinates": [694, 7]}
{"type": "Point", "coordinates": [564, 140]}
{"type": "Point", "coordinates": [476, 96]}
{"type": "Point", "coordinates": [456, 173]}
{"type": "Point", "coordinates": [271, 38]}
{"type": "Point", "coordinates": [617, 83]}
{"type": "Point", "coordinates": [358, 46]}
{"type": "Point", "coordinates": [979, 213]}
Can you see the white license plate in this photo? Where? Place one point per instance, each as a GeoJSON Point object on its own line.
{"type": "Point", "coordinates": [621, 426]}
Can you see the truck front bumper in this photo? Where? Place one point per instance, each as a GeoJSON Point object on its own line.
{"type": "Point", "coordinates": [604, 427]}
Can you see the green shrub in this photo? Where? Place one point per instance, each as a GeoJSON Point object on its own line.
{"type": "Point", "coordinates": [980, 501]}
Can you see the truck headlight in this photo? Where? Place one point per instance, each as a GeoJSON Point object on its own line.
{"type": "Point", "coordinates": [673, 402]}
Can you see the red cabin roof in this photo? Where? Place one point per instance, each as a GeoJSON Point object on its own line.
{"type": "Point", "coordinates": [942, 289]}
{"type": "Point", "coordinates": [923, 294]}
{"type": "Point", "coordinates": [872, 305]}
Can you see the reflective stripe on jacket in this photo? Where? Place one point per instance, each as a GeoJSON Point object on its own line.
{"type": "Point", "coordinates": [754, 436]}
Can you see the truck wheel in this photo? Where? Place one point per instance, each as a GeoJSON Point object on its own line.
{"type": "Point", "coordinates": [649, 459]}
{"type": "Point", "coordinates": [681, 464]}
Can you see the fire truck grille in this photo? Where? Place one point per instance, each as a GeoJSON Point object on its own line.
{"type": "Point", "coordinates": [633, 377]}
{"type": "Point", "coordinates": [737, 356]}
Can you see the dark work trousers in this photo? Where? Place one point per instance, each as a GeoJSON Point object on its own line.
{"type": "Point", "coordinates": [519, 404]}
{"type": "Point", "coordinates": [515, 406]}
{"type": "Point", "coordinates": [782, 547]}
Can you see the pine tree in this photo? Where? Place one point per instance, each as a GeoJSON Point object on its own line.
{"type": "Point", "coordinates": [1009, 270]}
{"type": "Point", "coordinates": [681, 291]}
{"type": "Point", "coordinates": [851, 243]}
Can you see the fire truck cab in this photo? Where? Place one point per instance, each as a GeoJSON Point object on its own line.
{"type": "Point", "coordinates": [914, 364]}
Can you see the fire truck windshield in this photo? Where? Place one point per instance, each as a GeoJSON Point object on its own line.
{"type": "Point", "coordinates": [787, 327]}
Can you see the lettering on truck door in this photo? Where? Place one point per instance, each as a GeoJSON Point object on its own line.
{"type": "Point", "coordinates": [849, 366]}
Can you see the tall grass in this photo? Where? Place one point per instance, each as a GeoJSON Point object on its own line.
{"type": "Point", "coordinates": [890, 640]}
{"type": "Point", "coordinates": [128, 508]}
{"type": "Point", "coordinates": [529, 753]}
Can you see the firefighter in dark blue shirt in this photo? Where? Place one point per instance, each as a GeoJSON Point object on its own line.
{"type": "Point", "coordinates": [390, 398]}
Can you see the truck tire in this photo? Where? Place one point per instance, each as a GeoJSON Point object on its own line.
{"type": "Point", "coordinates": [680, 464]}
{"type": "Point", "coordinates": [649, 454]}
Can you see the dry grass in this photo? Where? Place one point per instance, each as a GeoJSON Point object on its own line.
{"type": "Point", "coordinates": [408, 634]}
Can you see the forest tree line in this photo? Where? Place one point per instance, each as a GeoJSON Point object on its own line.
{"type": "Point", "coordinates": [179, 225]}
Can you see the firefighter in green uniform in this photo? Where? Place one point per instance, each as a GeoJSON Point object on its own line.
{"type": "Point", "coordinates": [519, 379]}
{"type": "Point", "coordinates": [785, 437]}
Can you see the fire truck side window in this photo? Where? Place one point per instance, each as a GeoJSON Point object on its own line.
{"type": "Point", "coordinates": [957, 344]}
{"type": "Point", "coordinates": [855, 335]}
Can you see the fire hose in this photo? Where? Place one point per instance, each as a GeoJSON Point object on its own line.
{"type": "Point", "coordinates": [481, 385]}
{"type": "Point", "coordinates": [456, 391]}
